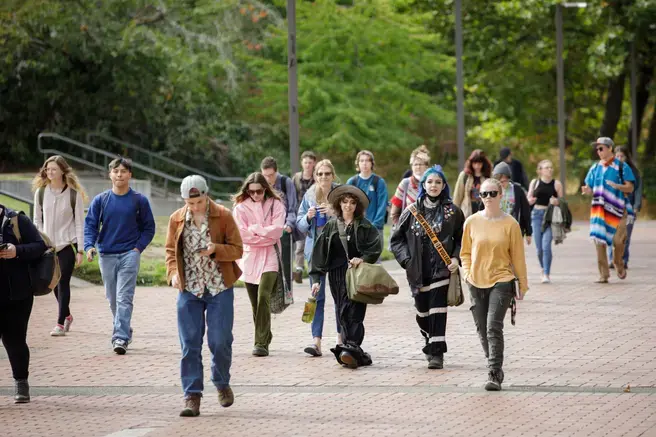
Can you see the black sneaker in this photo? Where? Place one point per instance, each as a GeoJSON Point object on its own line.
{"type": "Point", "coordinates": [22, 391]}
{"type": "Point", "coordinates": [494, 380]}
{"type": "Point", "coordinates": [120, 347]}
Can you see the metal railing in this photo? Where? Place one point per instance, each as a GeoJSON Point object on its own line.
{"type": "Point", "coordinates": [106, 156]}
{"type": "Point", "coordinates": [29, 202]}
{"type": "Point", "coordinates": [153, 159]}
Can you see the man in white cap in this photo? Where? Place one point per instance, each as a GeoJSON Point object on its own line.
{"type": "Point", "coordinates": [202, 245]}
{"type": "Point", "coordinates": [608, 181]}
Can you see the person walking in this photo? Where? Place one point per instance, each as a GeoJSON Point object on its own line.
{"type": "Point", "coordinates": [313, 214]}
{"type": "Point", "coordinates": [16, 294]}
{"type": "Point", "coordinates": [202, 246]}
{"type": "Point", "coordinates": [634, 199]}
{"type": "Point", "coordinates": [285, 186]}
{"type": "Point", "coordinates": [302, 180]}
{"type": "Point", "coordinates": [542, 192]}
{"type": "Point", "coordinates": [493, 260]}
{"type": "Point", "coordinates": [119, 226]}
{"type": "Point", "coordinates": [428, 275]}
{"type": "Point", "coordinates": [59, 213]}
{"type": "Point", "coordinates": [260, 216]}
{"type": "Point", "coordinates": [408, 190]}
{"type": "Point", "coordinates": [373, 185]}
{"type": "Point", "coordinates": [477, 169]}
{"type": "Point", "coordinates": [330, 258]}
{"type": "Point", "coordinates": [518, 175]}
{"type": "Point", "coordinates": [514, 201]}
{"type": "Point", "coordinates": [608, 181]}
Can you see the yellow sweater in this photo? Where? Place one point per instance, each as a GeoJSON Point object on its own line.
{"type": "Point", "coordinates": [493, 251]}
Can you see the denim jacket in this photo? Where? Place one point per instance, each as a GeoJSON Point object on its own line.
{"type": "Point", "coordinates": [302, 224]}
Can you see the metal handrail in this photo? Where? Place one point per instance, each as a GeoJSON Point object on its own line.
{"type": "Point", "coordinates": [167, 178]}
{"type": "Point", "coordinates": [166, 159]}
{"type": "Point", "coordinates": [30, 202]}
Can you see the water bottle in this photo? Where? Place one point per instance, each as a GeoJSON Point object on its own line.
{"type": "Point", "coordinates": [308, 311]}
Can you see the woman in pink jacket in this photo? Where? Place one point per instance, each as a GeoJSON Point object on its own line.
{"type": "Point", "coordinates": [260, 216]}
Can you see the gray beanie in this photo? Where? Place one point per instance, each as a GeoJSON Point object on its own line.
{"type": "Point", "coordinates": [502, 169]}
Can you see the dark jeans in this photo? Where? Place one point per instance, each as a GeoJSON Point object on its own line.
{"type": "Point", "coordinates": [66, 258]}
{"type": "Point", "coordinates": [14, 317]}
{"type": "Point", "coordinates": [287, 254]}
{"type": "Point", "coordinates": [489, 306]}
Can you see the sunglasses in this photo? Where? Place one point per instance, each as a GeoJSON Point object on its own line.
{"type": "Point", "coordinates": [256, 192]}
{"type": "Point", "coordinates": [600, 149]}
{"type": "Point", "coordinates": [328, 173]}
{"type": "Point", "coordinates": [492, 194]}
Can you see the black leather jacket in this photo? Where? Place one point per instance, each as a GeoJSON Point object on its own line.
{"type": "Point", "coordinates": [409, 242]}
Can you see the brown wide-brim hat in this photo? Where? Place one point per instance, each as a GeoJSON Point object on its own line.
{"type": "Point", "coordinates": [351, 190]}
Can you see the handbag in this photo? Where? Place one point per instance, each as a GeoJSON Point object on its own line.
{"type": "Point", "coordinates": [366, 283]}
{"type": "Point", "coordinates": [282, 295]}
{"type": "Point", "coordinates": [44, 272]}
{"type": "Point", "coordinates": [455, 296]}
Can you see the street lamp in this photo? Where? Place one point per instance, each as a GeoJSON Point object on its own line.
{"type": "Point", "coordinates": [560, 79]}
{"type": "Point", "coordinates": [460, 104]}
{"type": "Point", "coordinates": [292, 84]}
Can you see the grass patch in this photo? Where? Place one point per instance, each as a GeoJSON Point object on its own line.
{"type": "Point", "coordinates": [151, 273]}
{"type": "Point", "coordinates": [14, 204]}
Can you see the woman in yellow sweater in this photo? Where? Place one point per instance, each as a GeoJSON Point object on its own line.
{"type": "Point", "coordinates": [492, 255]}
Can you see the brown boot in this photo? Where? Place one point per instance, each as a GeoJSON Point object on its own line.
{"type": "Point", "coordinates": [298, 276]}
{"type": "Point", "coordinates": [226, 397]}
{"type": "Point", "coordinates": [192, 406]}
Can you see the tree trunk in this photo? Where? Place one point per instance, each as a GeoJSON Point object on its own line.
{"type": "Point", "coordinates": [613, 110]}
{"type": "Point", "coordinates": [650, 150]}
{"type": "Point", "coordinates": [642, 97]}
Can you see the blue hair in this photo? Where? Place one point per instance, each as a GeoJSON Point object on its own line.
{"type": "Point", "coordinates": [436, 169]}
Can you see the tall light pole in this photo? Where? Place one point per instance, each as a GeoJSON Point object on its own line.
{"type": "Point", "coordinates": [634, 103]}
{"type": "Point", "coordinates": [460, 103]}
{"type": "Point", "coordinates": [292, 80]}
{"type": "Point", "coordinates": [560, 84]}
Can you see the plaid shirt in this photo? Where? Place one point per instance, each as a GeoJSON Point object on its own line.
{"type": "Point", "coordinates": [201, 272]}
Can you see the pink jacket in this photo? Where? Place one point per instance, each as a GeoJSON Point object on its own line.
{"type": "Point", "coordinates": [259, 235]}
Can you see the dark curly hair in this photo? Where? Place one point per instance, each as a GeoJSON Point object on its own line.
{"type": "Point", "coordinates": [337, 206]}
{"type": "Point", "coordinates": [478, 156]}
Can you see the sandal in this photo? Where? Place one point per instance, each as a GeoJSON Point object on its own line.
{"type": "Point", "coordinates": [313, 350]}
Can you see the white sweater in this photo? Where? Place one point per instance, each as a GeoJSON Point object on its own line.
{"type": "Point", "coordinates": [57, 219]}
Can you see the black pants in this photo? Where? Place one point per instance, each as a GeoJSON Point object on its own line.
{"type": "Point", "coordinates": [431, 317]}
{"type": "Point", "coordinates": [14, 316]}
{"type": "Point", "coordinates": [287, 254]}
{"type": "Point", "coordinates": [351, 318]}
{"type": "Point", "coordinates": [63, 289]}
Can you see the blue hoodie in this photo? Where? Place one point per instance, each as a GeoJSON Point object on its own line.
{"type": "Point", "coordinates": [377, 198]}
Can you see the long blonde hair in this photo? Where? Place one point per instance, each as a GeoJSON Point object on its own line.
{"type": "Point", "coordinates": [69, 177]}
{"type": "Point", "coordinates": [540, 164]}
{"type": "Point", "coordinates": [320, 195]}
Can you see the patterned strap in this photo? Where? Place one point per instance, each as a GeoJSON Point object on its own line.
{"type": "Point", "coordinates": [429, 231]}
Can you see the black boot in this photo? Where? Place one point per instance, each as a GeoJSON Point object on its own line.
{"type": "Point", "coordinates": [436, 361]}
{"type": "Point", "coordinates": [22, 391]}
{"type": "Point", "coordinates": [494, 380]}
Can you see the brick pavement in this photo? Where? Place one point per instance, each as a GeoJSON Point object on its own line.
{"type": "Point", "coordinates": [576, 347]}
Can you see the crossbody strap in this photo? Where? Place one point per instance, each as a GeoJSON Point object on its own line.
{"type": "Point", "coordinates": [431, 234]}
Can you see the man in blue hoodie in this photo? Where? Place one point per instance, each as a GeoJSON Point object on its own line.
{"type": "Point", "coordinates": [374, 186]}
{"type": "Point", "coordinates": [119, 225]}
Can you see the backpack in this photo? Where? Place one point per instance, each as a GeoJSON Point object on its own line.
{"type": "Point", "coordinates": [374, 183]}
{"type": "Point", "coordinates": [44, 272]}
{"type": "Point", "coordinates": [73, 198]}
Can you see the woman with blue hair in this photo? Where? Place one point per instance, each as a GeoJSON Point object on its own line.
{"type": "Point", "coordinates": [428, 274]}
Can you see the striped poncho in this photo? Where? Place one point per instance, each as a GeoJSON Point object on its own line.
{"type": "Point", "coordinates": [608, 203]}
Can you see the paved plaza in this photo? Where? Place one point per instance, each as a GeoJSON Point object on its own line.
{"type": "Point", "coordinates": [581, 361]}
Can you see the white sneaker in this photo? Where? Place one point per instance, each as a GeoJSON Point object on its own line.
{"type": "Point", "coordinates": [68, 321]}
{"type": "Point", "coordinates": [58, 331]}
{"type": "Point", "coordinates": [546, 280]}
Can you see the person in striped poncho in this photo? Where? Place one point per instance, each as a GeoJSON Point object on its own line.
{"type": "Point", "coordinates": [609, 181]}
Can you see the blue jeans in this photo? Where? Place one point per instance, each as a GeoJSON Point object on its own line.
{"type": "Point", "coordinates": [542, 240]}
{"type": "Point", "coordinates": [219, 313]}
{"type": "Point", "coordinates": [317, 321]}
{"type": "Point", "coordinates": [629, 231]}
{"type": "Point", "coordinates": [119, 274]}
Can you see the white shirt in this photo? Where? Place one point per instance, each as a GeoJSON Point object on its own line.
{"type": "Point", "coordinates": [57, 219]}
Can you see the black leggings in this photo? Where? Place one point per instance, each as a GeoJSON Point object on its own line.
{"type": "Point", "coordinates": [14, 316]}
{"type": "Point", "coordinates": [63, 289]}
